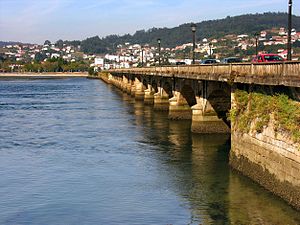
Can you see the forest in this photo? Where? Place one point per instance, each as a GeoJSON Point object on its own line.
{"type": "Point", "coordinates": [171, 37]}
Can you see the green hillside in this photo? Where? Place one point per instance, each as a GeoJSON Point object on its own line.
{"type": "Point", "coordinates": [171, 37]}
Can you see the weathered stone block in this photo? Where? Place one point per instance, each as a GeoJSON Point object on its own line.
{"type": "Point", "coordinates": [267, 166]}
{"type": "Point", "coordinates": [209, 127]}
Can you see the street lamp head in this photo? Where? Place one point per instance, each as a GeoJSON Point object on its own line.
{"type": "Point", "coordinates": [193, 27]}
{"type": "Point", "coordinates": [158, 40]}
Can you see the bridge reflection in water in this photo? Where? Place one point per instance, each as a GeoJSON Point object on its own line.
{"type": "Point", "coordinates": [195, 167]}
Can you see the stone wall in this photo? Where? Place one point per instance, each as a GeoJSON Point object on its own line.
{"type": "Point", "coordinates": [270, 157]}
{"type": "Point", "coordinates": [275, 168]}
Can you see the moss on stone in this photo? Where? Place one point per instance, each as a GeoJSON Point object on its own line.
{"type": "Point", "coordinates": [257, 108]}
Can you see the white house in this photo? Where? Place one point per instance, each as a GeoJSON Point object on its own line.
{"type": "Point", "coordinates": [242, 36]}
{"type": "Point", "coordinates": [99, 62]}
{"type": "Point", "coordinates": [55, 55]}
{"type": "Point", "coordinates": [282, 31]}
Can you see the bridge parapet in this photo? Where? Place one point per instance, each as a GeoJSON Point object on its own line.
{"type": "Point", "coordinates": [276, 73]}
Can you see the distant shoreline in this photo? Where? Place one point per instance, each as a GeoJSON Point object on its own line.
{"type": "Point", "coordinates": [42, 75]}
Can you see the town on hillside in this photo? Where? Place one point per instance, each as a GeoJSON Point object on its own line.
{"type": "Point", "coordinates": [68, 57]}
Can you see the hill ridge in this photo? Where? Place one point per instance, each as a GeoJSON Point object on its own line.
{"type": "Point", "coordinates": [171, 37]}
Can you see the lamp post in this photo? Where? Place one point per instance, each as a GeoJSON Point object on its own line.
{"type": "Point", "coordinates": [289, 44]}
{"type": "Point", "coordinates": [158, 42]}
{"type": "Point", "coordinates": [142, 56]}
{"type": "Point", "coordinates": [256, 42]}
{"type": "Point", "coordinates": [210, 46]}
{"type": "Point", "coordinates": [193, 27]}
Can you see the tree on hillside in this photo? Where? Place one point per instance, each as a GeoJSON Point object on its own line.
{"type": "Point", "coordinates": [94, 45]}
{"type": "Point", "coordinates": [59, 44]}
{"type": "Point", "coordinates": [47, 42]}
{"type": "Point", "coordinates": [39, 57]}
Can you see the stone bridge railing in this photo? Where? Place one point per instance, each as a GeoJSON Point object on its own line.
{"type": "Point", "coordinates": [276, 73]}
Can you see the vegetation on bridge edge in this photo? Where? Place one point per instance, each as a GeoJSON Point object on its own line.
{"type": "Point", "coordinates": [256, 110]}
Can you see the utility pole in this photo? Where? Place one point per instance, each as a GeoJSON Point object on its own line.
{"type": "Point", "coordinates": [289, 44]}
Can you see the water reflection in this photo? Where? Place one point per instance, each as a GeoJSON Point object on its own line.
{"type": "Point", "coordinates": [250, 204]}
{"type": "Point", "coordinates": [83, 152]}
{"type": "Point", "coordinates": [209, 172]}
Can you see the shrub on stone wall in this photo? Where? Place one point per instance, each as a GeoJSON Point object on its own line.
{"type": "Point", "coordinates": [253, 111]}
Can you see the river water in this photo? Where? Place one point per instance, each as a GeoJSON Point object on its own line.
{"type": "Point", "coordinates": [78, 151]}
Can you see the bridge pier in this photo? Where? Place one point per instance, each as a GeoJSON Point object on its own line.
{"type": "Point", "coordinates": [119, 82]}
{"type": "Point", "coordinates": [179, 108]}
{"type": "Point", "coordinates": [149, 95]}
{"type": "Point", "coordinates": [114, 81]}
{"type": "Point", "coordinates": [205, 119]}
{"type": "Point", "coordinates": [161, 100]}
{"type": "Point", "coordinates": [139, 90]}
{"type": "Point", "coordinates": [109, 79]}
{"type": "Point", "coordinates": [128, 87]}
{"type": "Point", "coordinates": [124, 83]}
{"type": "Point", "coordinates": [132, 88]}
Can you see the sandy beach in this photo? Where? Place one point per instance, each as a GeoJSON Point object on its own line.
{"type": "Point", "coordinates": [42, 75]}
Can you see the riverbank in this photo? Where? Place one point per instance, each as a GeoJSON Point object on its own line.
{"type": "Point", "coordinates": [42, 75]}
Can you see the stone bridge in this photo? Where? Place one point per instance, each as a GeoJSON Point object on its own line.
{"type": "Point", "coordinates": [203, 93]}
{"type": "Point", "coordinates": [209, 95]}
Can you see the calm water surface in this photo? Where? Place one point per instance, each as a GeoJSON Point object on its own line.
{"type": "Point", "coordinates": [77, 151]}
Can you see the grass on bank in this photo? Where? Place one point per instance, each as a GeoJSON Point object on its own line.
{"type": "Point", "coordinates": [259, 108]}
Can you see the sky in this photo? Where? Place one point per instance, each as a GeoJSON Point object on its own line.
{"type": "Point", "coordinates": [34, 21]}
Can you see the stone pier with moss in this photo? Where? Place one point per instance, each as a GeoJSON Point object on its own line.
{"type": "Point", "coordinates": [259, 104]}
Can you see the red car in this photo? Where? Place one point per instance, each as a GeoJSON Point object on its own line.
{"type": "Point", "coordinates": [267, 58]}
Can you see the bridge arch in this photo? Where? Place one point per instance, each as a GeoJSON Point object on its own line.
{"type": "Point", "coordinates": [220, 101]}
{"type": "Point", "coordinates": [154, 84]}
{"type": "Point", "coordinates": [188, 93]}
